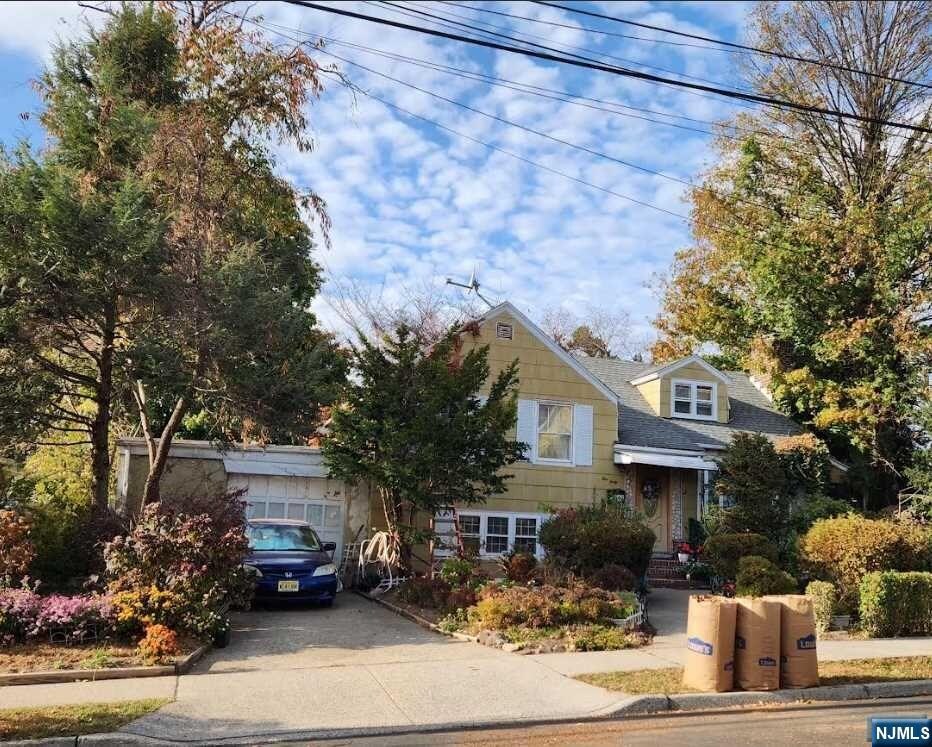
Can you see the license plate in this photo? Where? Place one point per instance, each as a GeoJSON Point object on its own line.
{"type": "Point", "coordinates": [287, 585]}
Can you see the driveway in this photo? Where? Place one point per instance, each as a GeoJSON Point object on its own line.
{"type": "Point", "coordinates": [355, 669]}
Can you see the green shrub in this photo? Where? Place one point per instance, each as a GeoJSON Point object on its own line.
{"type": "Point", "coordinates": [457, 571]}
{"type": "Point", "coordinates": [758, 577]}
{"type": "Point", "coordinates": [518, 566]}
{"type": "Point", "coordinates": [845, 549]}
{"type": "Point", "coordinates": [894, 604]}
{"type": "Point", "coordinates": [423, 591]}
{"type": "Point", "coordinates": [602, 638]}
{"type": "Point", "coordinates": [586, 538]}
{"type": "Point", "coordinates": [613, 577]}
{"type": "Point", "coordinates": [811, 508]}
{"type": "Point", "coordinates": [724, 551]}
{"type": "Point", "coordinates": [824, 598]}
{"type": "Point", "coordinates": [696, 533]}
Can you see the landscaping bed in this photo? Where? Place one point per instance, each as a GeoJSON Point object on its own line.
{"type": "Point", "coordinates": [858, 671]}
{"type": "Point", "coordinates": [47, 657]}
{"type": "Point", "coordinates": [72, 720]}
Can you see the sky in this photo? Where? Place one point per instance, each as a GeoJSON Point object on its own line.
{"type": "Point", "coordinates": [413, 203]}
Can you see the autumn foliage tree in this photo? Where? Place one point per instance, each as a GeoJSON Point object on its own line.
{"type": "Point", "coordinates": [811, 262]}
{"type": "Point", "coordinates": [152, 263]}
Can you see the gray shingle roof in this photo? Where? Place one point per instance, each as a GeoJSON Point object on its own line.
{"type": "Point", "coordinates": [750, 411]}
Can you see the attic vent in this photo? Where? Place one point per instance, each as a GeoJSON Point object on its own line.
{"type": "Point", "coordinates": [504, 331]}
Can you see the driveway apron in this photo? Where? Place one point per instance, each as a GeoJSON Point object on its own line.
{"type": "Point", "coordinates": [356, 668]}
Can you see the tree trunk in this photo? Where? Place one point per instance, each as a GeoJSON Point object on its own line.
{"type": "Point", "coordinates": [157, 467]}
{"type": "Point", "coordinates": [100, 427]}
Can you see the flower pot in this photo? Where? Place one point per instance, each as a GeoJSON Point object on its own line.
{"type": "Point", "coordinates": [683, 557]}
{"type": "Point", "coordinates": [841, 622]}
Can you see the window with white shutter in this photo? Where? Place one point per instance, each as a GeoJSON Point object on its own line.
{"type": "Point", "coordinates": [527, 427]}
{"type": "Point", "coordinates": [582, 435]}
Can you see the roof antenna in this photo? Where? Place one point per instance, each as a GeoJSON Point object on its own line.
{"type": "Point", "coordinates": [471, 287]}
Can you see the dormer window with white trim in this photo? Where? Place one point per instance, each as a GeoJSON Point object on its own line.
{"type": "Point", "coordinates": [694, 399]}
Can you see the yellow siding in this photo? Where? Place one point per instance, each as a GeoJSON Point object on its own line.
{"type": "Point", "coordinates": [652, 392]}
{"type": "Point", "coordinates": [693, 372]}
{"type": "Point", "coordinates": [542, 375]}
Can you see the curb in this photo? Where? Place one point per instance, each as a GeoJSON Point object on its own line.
{"type": "Point", "coordinates": [650, 704]}
{"type": "Point", "coordinates": [53, 677]}
{"type": "Point", "coordinates": [633, 707]}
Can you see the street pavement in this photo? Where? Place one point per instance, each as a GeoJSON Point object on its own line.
{"type": "Point", "coordinates": [829, 725]}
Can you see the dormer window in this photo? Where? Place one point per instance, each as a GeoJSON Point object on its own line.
{"type": "Point", "coordinates": [694, 399]}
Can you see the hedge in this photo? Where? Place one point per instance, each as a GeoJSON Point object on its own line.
{"type": "Point", "coordinates": [586, 538]}
{"type": "Point", "coordinates": [894, 604]}
{"type": "Point", "coordinates": [724, 551]}
{"type": "Point", "coordinates": [824, 598]}
{"type": "Point", "coordinates": [843, 550]}
{"type": "Point", "coordinates": [758, 577]}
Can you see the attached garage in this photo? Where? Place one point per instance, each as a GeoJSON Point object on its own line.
{"type": "Point", "coordinates": [279, 482]}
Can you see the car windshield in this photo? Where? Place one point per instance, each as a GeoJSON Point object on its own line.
{"type": "Point", "coordinates": [282, 538]}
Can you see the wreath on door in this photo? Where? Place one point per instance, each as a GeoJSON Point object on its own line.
{"type": "Point", "coordinates": [650, 496]}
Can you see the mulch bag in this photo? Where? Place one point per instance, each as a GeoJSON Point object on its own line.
{"type": "Point", "coordinates": [799, 662]}
{"type": "Point", "coordinates": [710, 644]}
{"type": "Point", "coordinates": [757, 644]}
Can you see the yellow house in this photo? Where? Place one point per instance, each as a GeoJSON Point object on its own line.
{"type": "Point", "coordinates": [609, 429]}
{"type": "Point", "coordinates": [596, 429]}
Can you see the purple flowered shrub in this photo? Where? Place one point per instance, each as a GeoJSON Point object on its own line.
{"type": "Point", "coordinates": [19, 609]}
{"type": "Point", "coordinates": [74, 618]}
{"type": "Point", "coordinates": [24, 615]}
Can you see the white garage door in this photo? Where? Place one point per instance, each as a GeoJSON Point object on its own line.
{"type": "Point", "coordinates": [301, 498]}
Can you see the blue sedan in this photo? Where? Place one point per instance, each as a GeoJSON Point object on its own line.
{"type": "Point", "coordinates": [290, 562]}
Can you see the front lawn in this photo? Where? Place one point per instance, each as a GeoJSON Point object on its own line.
{"type": "Point", "coordinates": [66, 721]}
{"type": "Point", "coordinates": [857, 671]}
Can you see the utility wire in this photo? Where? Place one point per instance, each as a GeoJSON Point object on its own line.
{"type": "Point", "coordinates": [589, 29]}
{"type": "Point", "coordinates": [552, 138]}
{"type": "Point", "coordinates": [527, 88]}
{"type": "Point", "coordinates": [733, 45]}
{"type": "Point", "coordinates": [353, 87]}
{"type": "Point", "coordinates": [590, 52]}
{"type": "Point", "coordinates": [636, 74]}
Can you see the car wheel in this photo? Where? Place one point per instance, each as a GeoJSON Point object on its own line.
{"type": "Point", "coordinates": [328, 603]}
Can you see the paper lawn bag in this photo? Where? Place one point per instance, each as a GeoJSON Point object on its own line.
{"type": "Point", "coordinates": [710, 644]}
{"type": "Point", "coordinates": [757, 644]}
{"type": "Point", "coordinates": [799, 663]}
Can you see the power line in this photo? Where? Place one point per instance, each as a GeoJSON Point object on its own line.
{"type": "Point", "coordinates": [521, 87]}
{"type": "Point", "coordinates": [636, 74]}
{"type": "Point", "coordinates": [529, 161]}
{"type": "Point", "coordinates": [588, 29]}
{"type": "Point", "coordinates": [445, 14]}
{"type": "Point", "coordinates": [734, 45]}
{"type": "Point", "coordinates": [552, 138]}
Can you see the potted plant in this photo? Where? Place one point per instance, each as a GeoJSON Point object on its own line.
{"type": "Point", "coordinates": [686, 552]}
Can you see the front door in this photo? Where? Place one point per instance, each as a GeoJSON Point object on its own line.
{"type": "Point", "coordinates": [654, 501]}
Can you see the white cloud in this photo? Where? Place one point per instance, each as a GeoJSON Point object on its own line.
{"type": "Point", "coordinates": [32, 28]}
{"type": "Point", "coordinates": [412, 203]}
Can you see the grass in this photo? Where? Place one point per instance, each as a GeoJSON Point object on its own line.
{"type": "Point", "coordinates": [857, 671]}
{"type": "Point", "coordinates": [59, 721]}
